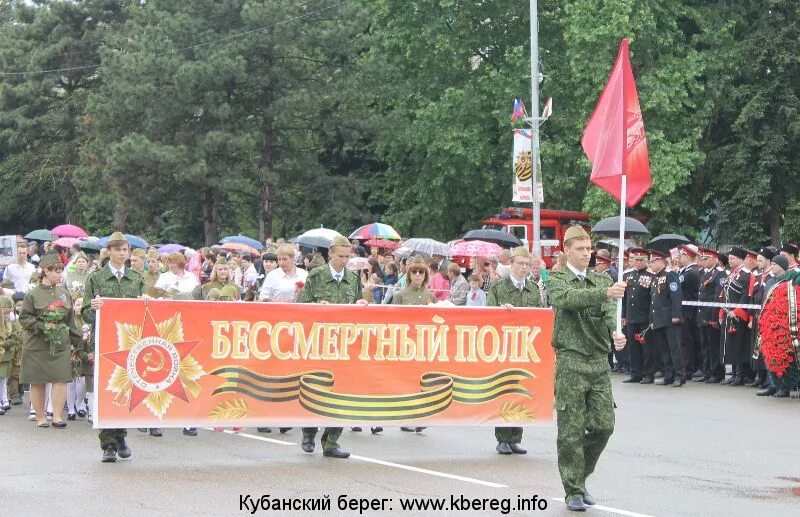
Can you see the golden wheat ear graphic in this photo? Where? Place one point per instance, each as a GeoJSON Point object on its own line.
{"type": "Point", "coordinates": [514, 412]}
{"type": "Point", "coordinates": [235, 408]}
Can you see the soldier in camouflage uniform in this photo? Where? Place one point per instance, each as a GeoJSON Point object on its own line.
{"type": "Point", "coordinates": [585, 321]}
{"type": "Point", "coordinates": [113, 280]}
{"type": "Point", "coordinates": [10, 341]}
{"type": "Point", "coordinates": [333, 283]}
{"type": "Point", "coordinates": [515, 290]}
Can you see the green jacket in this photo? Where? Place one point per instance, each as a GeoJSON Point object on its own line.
{"type": "Point", "coordinates": [201, 291]}
{"type": "Point", "coordinates": [410, 295]}
{"type": "Point", "coordinates": [585, 316]}
{"type": "Point", "coordinates": [35, 305]}
{"type": "Point", "coordinates": [321, 286]}
{"type": "Point", "coordinates": [503, 292]}
{"type": "Point", "coordinates": [103, 283]}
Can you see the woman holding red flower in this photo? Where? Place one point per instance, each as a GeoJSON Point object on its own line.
{"type": "Point", "coordinates": [50, 331]}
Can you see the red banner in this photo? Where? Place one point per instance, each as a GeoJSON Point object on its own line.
{"type": "Point", "coordinates": [187, 363]}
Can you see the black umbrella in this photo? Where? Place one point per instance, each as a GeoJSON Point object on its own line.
{"type": "Point", "coordinates": [502, 239]}
{"type": "Point", "coordinates": [667, 241]}
{"type": "Point", "coordinates": [313, 241]}
{"type": "Point", "coordinates": [610, 226]}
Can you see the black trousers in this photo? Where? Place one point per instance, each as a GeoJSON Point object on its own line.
{"type": "Point", "coordinates": [642, 356]}
{"type": "Point", "coordinates": [690, 345]}
{"type": "Point", "coordinates": [668, 344]}
{"type": "Point", "coordinates": [710, 345]}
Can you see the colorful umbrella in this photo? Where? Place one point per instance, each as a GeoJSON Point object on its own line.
{"type": "Point", "coordinates": [475, 249]}
{"type": "Point", "coordinates": [243, 239]}
{"type": "Point", "coordinates": [69, 230]}
{"type": "Point", "coordinates": [235, 246]}
{"type": "Point", "coordinates": [427, 246]}
{"type": "Point", "coordinates": [171, 248]}
{"type": "Point", "coordinates": [382, 243]}
{"type": "Point", "coordinates": [133, 240]}
{"type": "Point", "coordinates": [66, 242]}
{"type": "Point", "coordinates": [41, 235]}
{"type": "Point", "coordinates": [376, 230]}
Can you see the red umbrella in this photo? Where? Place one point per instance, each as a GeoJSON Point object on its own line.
{"type": "Point", "coordinates": [235, 246]}
{"type": "Point", "coordinates": [475, 249]}
{"type": "Point", "coordinates": [66, 242]}
{"type": "Point", "coordinates": [382, 243]}
{"type": "Point", "coordinates": [69, 230]}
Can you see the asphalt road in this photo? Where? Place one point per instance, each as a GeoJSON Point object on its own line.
{"type": "Point", "coordinates": [699, 450]}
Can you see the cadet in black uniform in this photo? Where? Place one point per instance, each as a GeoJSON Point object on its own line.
{"type": "Point", "coordinates": [665, 320]}
{"type": "Point", "coordinates": [689, 276]}
{"type": "Point", "coordinates": [636, 317]}
{"type": "Point", "coordinates": [738, 289]}
{"type": "Point", "coordinates": [763, 261]}
{"type": "Point", "coordinates": [711, 281]}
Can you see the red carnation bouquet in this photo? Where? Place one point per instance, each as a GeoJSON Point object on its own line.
{"type": "Point", "coordinates": [53, 319]}
{"type": "Point", "coordinates": [778, 331]}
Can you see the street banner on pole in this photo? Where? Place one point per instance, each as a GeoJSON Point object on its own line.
{"type": "Point", "coordinates": [522, 190]}
{"type": "Point", "coordinates": [192, 364]}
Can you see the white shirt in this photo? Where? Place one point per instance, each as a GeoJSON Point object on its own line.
{"type": "Point", "coordinates": [278, 286]}
{"type": "Point", "coordinates": [170, 281]}
{"type": "Point", "coordinates": [119, 273]}
{"type": "Point", "coordinates": [20, 275]}
{"type": "Point", "coordinates": [517, 283]}
{"type": "Point", "coordinates": [336, 276]}
{"type": "Point", "coordinates": [575, 270]}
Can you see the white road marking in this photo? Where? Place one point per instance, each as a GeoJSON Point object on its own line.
{"type": "Point", "coordinates": [253, 437]}
{"type": "Point", "coordinates": [607, 509]}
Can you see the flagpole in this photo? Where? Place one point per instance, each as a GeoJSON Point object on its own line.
{"type": "Point", "coordinates": [620, 258]}
{"type": "Point", "coordinates": [537, 248]}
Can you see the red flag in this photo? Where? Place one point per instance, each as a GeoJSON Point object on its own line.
{"type": "Point", "coordinates": [614, 139]}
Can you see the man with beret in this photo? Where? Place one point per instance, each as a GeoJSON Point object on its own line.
{"type": "Point", "coordinates": [113, 280]}
{"type": "Point", "coordinates": [665, 319]}
{"type": "Point", "coordinates": [738, 289]}
{"type": "Point", "coordinates": [712, 278]}
{"type": "Point", "coordinates": [791, 252]}
{"type": "Point", "coordinates": [585, 326]}
{"type": "Point", "coordinates": [689, 276]}
{"type": "Point", "coordinates": [515, 290]}
{"type": "Point", "coordinates": [333, 283]}
{"type": "Point", "coordinates": [636, 317]}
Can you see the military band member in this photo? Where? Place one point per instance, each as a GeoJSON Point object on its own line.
{"type": "Point", "coordinates": [515, 290]}
{"type": "Point", "coordinates": [738, 289]}
{"type": "Point", "coordinates": [636, 317]}
{"type": "Point", "coordinates": [665, 320]}
{"type": "Point", "coordinates": [712, 278]}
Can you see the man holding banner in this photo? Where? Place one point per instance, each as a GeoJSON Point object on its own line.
{"type": "Point", "coordinates": [585, 323]}
{"type": "Point", "coordinates": [332, 284]}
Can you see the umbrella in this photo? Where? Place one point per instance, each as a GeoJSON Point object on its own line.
{"type": "Point", "coordinates": [427, 246]}
{"type": "Point", "coordinates": [614, 243]}
{"type": "Point", "coordinates": [475, 249]}
{"type": "Point", "coordinates": [242, 239]}
{"type": "Point", "coordinates": [66, 242]}
{"type": "Point", "coordinates": [358, 263]}
{"type": "Point", "coordinates": [235, 246]}
{"type": "Point", "coordinates": [92, 245]}
{"type": "Point", "coordinates": [403, 252]}
{"type": "Point", "coordinates": [133, 240]}
{"type": "Point", "coordinates": [377, 230]}
{"type": "Point", "coordinates": [69, 230]}
{"type": "Point", "coordinates": [41, 235]}
{"type": "Point", "coordinates": [610, 226]}
{"type": "Point", "coordinates": [667, 241]}
{"type": "Point", "coordinates": [504, 239]}
{"type": "Point", "coordinates": [317, 238]}
{"type": "Point", "coordinates": [171, 248]}
{"type": "Point", "coordinates": [382, 243]}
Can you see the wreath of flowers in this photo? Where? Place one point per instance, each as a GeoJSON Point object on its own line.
{"type": "Point", "coordinates": [779, 333]}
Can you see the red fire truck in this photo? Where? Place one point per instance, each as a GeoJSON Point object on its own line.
{"type": "Point", "coordinates": [552, 225]}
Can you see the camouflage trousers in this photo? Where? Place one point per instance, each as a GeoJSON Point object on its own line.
{"type": "Point", "coordinates": [112, 437]}
{"type": "Point", "coordinates": [508, 434]}
{"type": "Point", "coordinates": [329, 436]}
{"type": "Point", "coordinates": [585, 409]}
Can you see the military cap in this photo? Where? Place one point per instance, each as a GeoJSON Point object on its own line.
{"type": "Point", "coordinates": [270, 257]}
{"type": "Point", "coordinates": [138, 252]}
{"type": "Point", "coordinates": [739, 252]}
{"type": "Point", "coordinates": [417, 260]}
{"type": "Point", "coordinates": [50, 259]}
{"type": "Point", "coordinates": [213, 294]}
{"type": "Point", "coordinates": [18, 296]}
{"type": "Point", "coordinates": [636, 252]}
{"type": "Point", "coordinates": [655, 255]}
{"type": "Point", "coordinates": [82, 255]}
{"type": "Point", "coordinates": [782, 261]}
{"type": "Point", "coordinates": [152, 255]}
{"type": "Point", "coordinates": [575, 232]}
{"type": "Point", "coordinates": [689, 250]}
{"type": "Point", "coordinates": [706, 253]}
{"type": "Point", "coordinates": [521, 251]}
{"type": "Point", "coordinates": [116, 238]}
{"type": "Point", "coordinates": [229, 291]}
{"type": "Point", "coordinates": [339, 240]}
{"type": "Point", "coordinates": [221, 261]}
{"type": "Point", "coordinates": [751, 254]}
{"type": "Point", "coordinates": [6, 302]}
{"type": "Point", "coordinates": [315, 262]}
{"type": "Point", "coordinates": [602, 260]}
{"type": "Point", "coordinates": [791, 249]}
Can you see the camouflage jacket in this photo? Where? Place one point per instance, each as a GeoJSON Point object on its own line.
{"type": "Point", "coordinates": [10, 339]}
{"type": "Point", "coordinates": [503, 292]}
{"type": "Point", "coordinates": [103, 283]}
{"type": "Point", "coordinates": [321, 286]}
{"type": "Point", "coordinates": [585, 316]}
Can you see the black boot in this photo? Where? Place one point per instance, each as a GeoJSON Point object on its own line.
{"type": "Point", "coordinates": [109, 454]}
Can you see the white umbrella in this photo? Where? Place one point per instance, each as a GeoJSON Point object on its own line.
{"type": "Point", "coordinates": [427, 246]}
{"type": "Point", "coordinates": [318, 238]}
